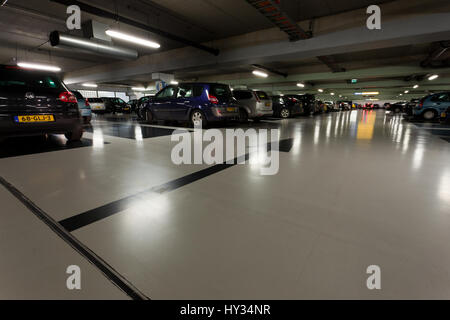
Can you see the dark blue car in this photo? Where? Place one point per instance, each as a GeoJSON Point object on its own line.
{"type": "Point", "coordinates": [195, 103]}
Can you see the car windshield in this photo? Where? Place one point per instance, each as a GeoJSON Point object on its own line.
{"type": "Point", "coordinates": [242, 95]}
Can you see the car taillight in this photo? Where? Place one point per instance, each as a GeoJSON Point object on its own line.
{"type": "Point", "coordinates": [420, 106]}
{"type": "Point", "coordinates": [87, 103]}
{"type": "Point", "coordinates": [213, 99]}
{"type": "Point", "coordinates": [68, 97]}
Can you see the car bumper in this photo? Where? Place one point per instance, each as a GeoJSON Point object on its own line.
{"type": "Point", "coordinates": [263, 113]}
{"type": "Point", "coordinates": [9, 128]}
{"type": "Point", "coordinates": [86, 112]}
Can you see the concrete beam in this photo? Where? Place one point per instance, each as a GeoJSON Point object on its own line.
{"type": "Point", "coordinates": [397, 32]}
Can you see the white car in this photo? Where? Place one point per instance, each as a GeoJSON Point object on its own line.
{"type": "Point", "coordinates": [97, 105]}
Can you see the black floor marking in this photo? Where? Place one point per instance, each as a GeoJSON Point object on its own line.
{"type": "Point", "coordinates": [98, 262]}
{"type": "Point", "coordinates": [22, 146]}
{"type": "Point", "coordinates": [83, 219]}
{"type": "Point", "coordinates": [131, 131]}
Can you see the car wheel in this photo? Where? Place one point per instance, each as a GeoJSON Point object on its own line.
{"type": "Point", "coordinates": [148, 116]}
{"type": "Point", "coordinates": [74, 136]}
{"type": "Point", "coordinates": [429, 115]}
{"type": "Point", "coordinates": [243, 115]}
{"type": "Point", "coordinates": [197, 119]}
{"type": "Point", "coordinates": [285, 113]}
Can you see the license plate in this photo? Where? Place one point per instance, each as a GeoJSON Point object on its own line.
{"type": "Point", "coordinates": [443, 115]}
{"type": "Point", "coordinates": [231, 109]}
{"type": "Point", "coordinates": [34, 118]}
{"type": "Point", "coordinates": [97, 107]}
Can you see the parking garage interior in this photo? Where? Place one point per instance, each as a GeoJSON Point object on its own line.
{"type": "Point", "coordinates": [363, 175]}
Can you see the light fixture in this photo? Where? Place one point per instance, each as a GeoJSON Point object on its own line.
{"type": "Point", "coordinates": [260, 74]}
{"type": "Point", "coordinates": [133, 39]}
{"type": "Point", "coordinates": [401, 94]}
{"type": "Point", "coordinates": [406, 91]}
{"type": "Point", "coordinates": [301, 85]}
{"type": "Point", "coordinates": [138, 89]}
{"type": "Point", "coordinates": [27, 65]}
{"type": "Point", "coordinates": [434, 76]}
{"type": "Point", "coordinates": [320, 90]}
{"type": "Point", "coordinates": [366, 93]}
{"type": "Point", "coordinates": [332, 93]}
{"type": "Point", "coordinates": [416, 86]}
{"type": "Point", "coordinates": [90, 85]}
{"type": "Point", "coordinates": [174, 82]}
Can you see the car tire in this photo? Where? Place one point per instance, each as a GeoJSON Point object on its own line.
{"type": "Point", "coordinates": [429, 115]}
{"type": "Point", "coordinates": [285, 113]}
{"type": "Point", "coordinates": [243, 115]}
{"type": "Point", "coordinates": [197, 119]}
{"type": "Point", "coordinates": [148, 116]}
{"type": "Point", "coordinates": [74, 136]}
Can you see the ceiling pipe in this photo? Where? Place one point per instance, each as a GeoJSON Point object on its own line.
{"type": "Point", "coordinates": [434, 58]}
{"type": "Point", "coordinates": [66, 40]}
{"type": "Point", "coordinates": [109, 15]}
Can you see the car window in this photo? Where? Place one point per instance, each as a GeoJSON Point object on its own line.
{"type": "Point", "coordinates": [262, 95]}
{"type": "Point", "coordinates": [167, 92]}
{"type": "Point", "coordinates": [242, 95]}
{"type": "Point", "coordinates": [29, 79]}
{"type": "Point", "coordinates": [443, 97]}
{"type": "Point", "coordinates": [120, 101]}
{"type": "Point", "coordinates": [220, 91]}
{"type": "Point", "coordinates": [198, 90]}
{"type": "Point", "coordinates": [185, 91]}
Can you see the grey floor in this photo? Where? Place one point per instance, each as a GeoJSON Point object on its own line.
{"type": "Point", "coordinates": [356, 189]}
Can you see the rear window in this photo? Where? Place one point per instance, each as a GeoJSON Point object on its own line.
{"type": "Point", "coordinates": [77, 95]}
{"type": "Point", "coordinates": [262, 95]}
{"type": "Point", "coordinates": [29, 79]}
{"type": "Point", "coordinates": [95, 100]}
{"type": "Point", "coordinates": [242, 95]}
{"type": "Point", "coordinates": [220, 91]}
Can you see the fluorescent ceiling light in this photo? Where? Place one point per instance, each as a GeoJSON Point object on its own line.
{"type": "Point", "coordinates": [434, 76]}
{"type": "Point", "coordinates": [301, 85]}
{"type": "Point", "coordinates": [366, 93]}
{"type": "Point", "coordinates": [320, 90]}
{"type": "Point", "coordinates": [27, 65]}
{"type": "Point", "coordinates": [416, 86]}
{"type": "Point", "coordinates": [174, 82]}
{"type": "Point", "coordinates": [406, 91]}
{"type": "Point", "coordinates": [90, 85]}
{"type": "Point", "coordinates": [133, 39]}
{"type": "Point", "coordinates": [332, 93]}
{"type": "Point", "coordinates": [260, 74]}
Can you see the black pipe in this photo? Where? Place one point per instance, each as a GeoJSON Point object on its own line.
{"type": "Point", "coordinates": [109, 15]}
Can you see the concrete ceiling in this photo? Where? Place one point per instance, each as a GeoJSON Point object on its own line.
{"type": "Point", "coordinates": [235, 26]}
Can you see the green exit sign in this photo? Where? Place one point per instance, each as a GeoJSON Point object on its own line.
{"type": "Point", "coordinates": [354, 80]}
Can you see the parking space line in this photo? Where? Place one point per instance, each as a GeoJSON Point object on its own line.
{"type": "Point", "coordinates": [88, 217]}
{"type": "Point", "coordinates": [109, 272]}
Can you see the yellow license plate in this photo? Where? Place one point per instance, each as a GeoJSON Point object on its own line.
{"type": "Point", "coordinates": [443, 115]}
{"type": "Point", "coordinates": [267, 104]}
{"type": "Point", "coordinates": [231, 109]}
{"type": "Point", "coordinates": [35, 118]}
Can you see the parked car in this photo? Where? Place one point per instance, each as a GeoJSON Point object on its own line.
{"type": "Point", "coordinates": [431, 106]}
{"type": "Point", "coordinates": [310, 105]}
{"type": "Point", "coordinates": [37, 103]}
{"type": "Point", "coordinates": [409, 106]}
{"type": "Point", "coordinates": [97, 105]}
{"type": "Point", "coordinates": [331, 106]}
{"type": "Point", "coordinates": [196, 103]}
{"type": "Point", "coordinates": [116, 105]}
{"type": "Point", "coordinates": [84, 106]}
{"type": "Point", "coordinates": [140, 106]}
{"type": "Point", "coordinates": [253, 104]}
{"type": "Point", "coordinates": [285, 107]}
{"type": "Point", "coordinates": [397, 107]}
{"type": "Point", "coordinates": [346, 105]}
{"type": "Point", "coordinates": [133, 104]}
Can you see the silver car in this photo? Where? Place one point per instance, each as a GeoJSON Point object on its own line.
{"type": "Point", "coordinates": [253, 104]}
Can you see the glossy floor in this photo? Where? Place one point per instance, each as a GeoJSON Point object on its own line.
{"type": "Point", "coordinates": [354, 189]}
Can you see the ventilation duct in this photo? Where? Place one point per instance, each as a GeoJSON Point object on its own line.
{"type": "Point", "coordinates": [65, 40]}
